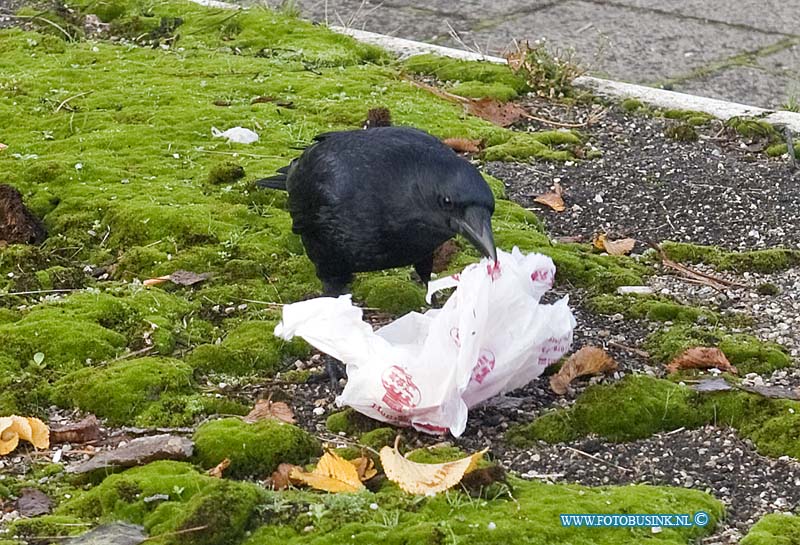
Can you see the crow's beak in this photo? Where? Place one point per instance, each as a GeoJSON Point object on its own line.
{"type": "Point", "coordinates": [476, 226]}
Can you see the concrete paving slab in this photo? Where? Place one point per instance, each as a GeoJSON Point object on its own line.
{"type": "Point", "coordinates": [624, 43]}
{"type": "Point", "coordinates": [408, 21]}
{"type": "Point", "coordinates": [766, 15]}
{"type": "Point", "coordinates": [745, 84]}
{"type": "Point", "coordinates": [786, 61]}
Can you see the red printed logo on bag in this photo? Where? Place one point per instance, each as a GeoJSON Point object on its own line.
{"type": "Point", "coordinates": [484, 366]}
{"type": "Point", "coordinates": [542, 275]}
{"type": "Point", "coordinates": [401, 392]}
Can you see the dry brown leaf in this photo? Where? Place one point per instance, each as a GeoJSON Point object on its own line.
{"type": "Point", "coordinates": [332, 474]}
{"type": "Point", "coordinates": [589, 360]}
{"type": "Point", "coordinates": [499, 113]}
{"type": "Point", "coordinates": [218, 469]}
{"type": "Point", "coordinates": [181, 278]}
{"type": "Point", "coordinates": [3, 146]}
{"type": "Point", "coordinates": [15, 428]}
{"type": "Point", "coordinates": [280, 479]}
{"type": "Point", "coordinates": [701, 357]}
{"type": "Point", "coordinates": [276, 410]}
{"type": "Point", "coordinates": [84, 431]}
{"type": "Point", "coordinates": [553, 199]}
{"type": "Point", "coordinates": [365, 467]}
{"type": "Point", "coordinates": [463, 145]}
{"type": "Point", "coordinates": [622, 246]}
{"type": "Point", "coordinates": [427, 479]}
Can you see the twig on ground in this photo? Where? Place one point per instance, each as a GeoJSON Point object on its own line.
{"type": "Point", "coordinates": [787, 133]}
{"type": "Point", "coordinates": [66, 100]}
{"type": "Point", "coordinates": [712, 281]}
{"type": "Point", "coordinates": [630, 349]}
{"type": "Point", "coordinates": [598, 459]}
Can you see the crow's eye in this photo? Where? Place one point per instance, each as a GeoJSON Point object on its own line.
{"type": "Point", "coordinates": [446, 202]}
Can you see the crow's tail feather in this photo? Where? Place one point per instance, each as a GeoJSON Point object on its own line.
{"type": "Point", "coordinates": [275, 182]}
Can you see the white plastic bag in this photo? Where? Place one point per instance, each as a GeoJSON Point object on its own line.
{"type": "Point", "coordinates": [239, 135]}
{"type": "Point", "coordinates": [426, 370]}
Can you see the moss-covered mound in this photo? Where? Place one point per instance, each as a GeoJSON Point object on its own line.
{"type": "Point", "coordinates": [774, 529]}
{"type": "Point", "coordinates": [254, 449]}
{"type": "Point", "coordinates": [639, 406]}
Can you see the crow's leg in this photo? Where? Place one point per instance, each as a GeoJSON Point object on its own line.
{"type": "Point", "coordinates": [424, 269]}
{"type": "Point", "coordinates": [334, 286]}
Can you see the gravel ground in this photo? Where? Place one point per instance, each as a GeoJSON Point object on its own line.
{"type": "Point", "coordinates": [717, 190]}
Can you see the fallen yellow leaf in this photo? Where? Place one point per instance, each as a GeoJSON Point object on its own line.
{"type": "Point", "coordinates": [428, 479]}
{"type": "Point", "coordinates": [332, 474]}
{"type": "Point", "coordinates": [13, 428]}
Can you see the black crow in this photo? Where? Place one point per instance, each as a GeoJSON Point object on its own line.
{"type": "Point", "coordinates": [367, 200]}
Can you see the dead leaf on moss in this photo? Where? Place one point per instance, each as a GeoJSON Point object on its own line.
{"type": "Point", "coordinates": [589, 360]}
{"type": "Point", "coordinates": [444, 254]}
{"type": "Point", "coordinates": [701, 357]}
{"type": "Point", "coordinates": [181, 278]}
{"type": "Point", "coordinates": [15, 428]}
{"type": "Point", "coordinates": [84, 431]}
{"type": "Point", "coordinates": [332, 474]}
{"type": "Point", "coordinates": [3, 146]}
{"type": "Point", "coordinates": [426, 479]}
{"type": "Point", "coordinates": [463, 145]}
{"type": "Point", "coordinates": [280, 478]}
{"type": "Point", "coordinates": [553, 199]}
{"type": "Point", "coordinates": [33, 503]}
{"type": "Point", "coordinates": [219, 469]}
{"type": "Point", "coordinates": [622, 246]}
{"type": "Point", "coordinates": [275, 410]}
{"type": "Point", "coordinates": [499, 113]}
{"type": "Point", "coordinates": [365, 467]}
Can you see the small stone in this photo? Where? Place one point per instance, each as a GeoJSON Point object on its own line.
{"type": "Point", "coordinates": [319, 411]}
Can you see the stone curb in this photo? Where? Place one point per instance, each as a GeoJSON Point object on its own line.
{"type": "Point", "coordinates": [602, 87]}
{"type": "Point", "coordinates": [616, 90]}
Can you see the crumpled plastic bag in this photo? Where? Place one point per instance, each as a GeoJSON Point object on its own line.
{"type": "Point", "coordinates": [425, 370]}
{"type": "Point", "coordinates": [238, 135]}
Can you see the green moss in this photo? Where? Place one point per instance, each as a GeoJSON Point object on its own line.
{"type": "Point", "coordinates": [659, 309]}
{"type": "Point", "coordinates": [763, 261]}
{"type": "Point", "coordinates": [221, 508]}
{"type": "Point", "coordinates": [47, 525]}
{"type": "Point", "coordinates": [479, 89]}
{"type": "Point", "coordinates": [691, 117]}
{"type": "Point", "coordinates": [551, 146]}
{"type": "Point", "coordinates": [248, 348]}
{"type": "Point", "coordinates": [124, 390]}
{"type": "Point", "coordinates": [254, 449]}
{"type": "Point", "coordinates": [447, 69]}
{"type": "Point", "coordinates": [497, 186]}
{"type": "Point", "coordinates": [533, 516]}
{"type": "Point", "coordinates": [747, 353]}
{"type": "Point", "coordinates": [631, 104]}
{"type": "Point", "coordinates": [391, 293]}
{"type": "Point", "coordinates": [768, 288]}
{"type": "Point", "coordinates": [378, 438]}
{"type": "Point", "coordinates": [436, 454]}
{"type": "Point", "coordinates": [639, 406]}
{"type": "Point", "coordinates": [226, 173]}
{"type": "Point", "coordinates": [777, 150]}
{"type": "Point", "coordinates": [296, 376]}
{"type": "Point", "coordinates": [682, 133]}
{"type": "Point", "coordinates": [752, 128]}
{"type": "Point", "coordinates": [350, 422]}
{"type": "Point", "coordinates": [774, 529]}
